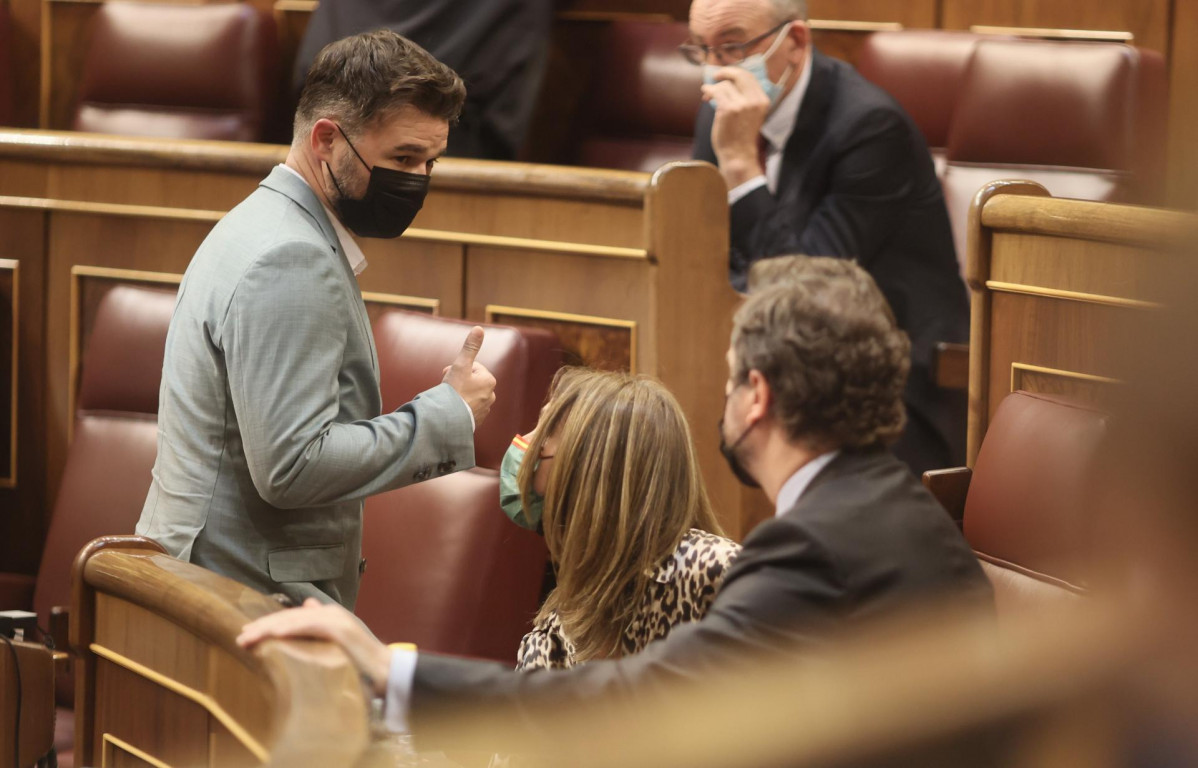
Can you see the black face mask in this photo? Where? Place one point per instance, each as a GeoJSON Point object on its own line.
{"type": "Point", "coordinates": [729, 453]}
{"type": "Point", "coordinates": [392, 200]}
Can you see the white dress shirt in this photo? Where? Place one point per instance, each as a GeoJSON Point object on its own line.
{"type": "Point", "coordinates": [403, 660]}
{"type": "Point", "coordinates": [776, 130]}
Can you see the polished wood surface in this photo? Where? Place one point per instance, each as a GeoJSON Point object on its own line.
{"type": "Point", "coordinates": [1057, 287]}
{"type": "Point", "coordinates": [34, 664]}
{"type": "Point", "coordinates": [1146, 20]}
{"type": "Point", "coordinates": [1183, 106]}
{"type": "Point", "coordinates": [164, 682]}
{"type": "Point", "coordinates": [621, 260]}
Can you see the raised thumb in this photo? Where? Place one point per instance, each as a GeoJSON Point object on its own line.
{"type": "Point", "coordinates": [474, 342]}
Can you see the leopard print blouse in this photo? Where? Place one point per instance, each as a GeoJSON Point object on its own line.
{"type": "Point", "coordinates": [683, 587]}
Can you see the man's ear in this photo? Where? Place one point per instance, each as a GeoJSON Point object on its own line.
{"type": "Point", "coordinates": [762, 399]}
{"type": "Point", "coordinates": [800, 33]}
{"type": "Point", "coordinates": [320, 139]}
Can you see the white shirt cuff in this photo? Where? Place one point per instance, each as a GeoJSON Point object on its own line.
{"type": "Point", "coordinates": [469, 410]}
{"type": "Point", "coordinates": [741, 190]}
{"type": "Point", "coordinates": [399, 690]}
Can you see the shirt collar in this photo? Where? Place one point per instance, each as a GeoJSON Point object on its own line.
{"type": "Point", "coordinates": [781, 122]}
{"type": "Point", "coordinates": [349, 246]}
{"type": "Point", "coordinates": [794, 488]}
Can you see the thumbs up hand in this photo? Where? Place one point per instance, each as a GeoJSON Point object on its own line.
{"type": "Point", "coordinates": [471, 379]}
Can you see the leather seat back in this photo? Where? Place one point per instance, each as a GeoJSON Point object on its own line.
{"type": "Point", "coordinates": [446, 569]}
{"type": "Point", "coordinates": [180, 71]}
{"type": "Point", "coordinates": [414, 348]}
{"type": "Point", "coordinates": [1086, 120]}
{"type": "Point", "coordinates": [1028, 510]}
{"type": "Point", "coordinates": [641, 113]}
{"type": "Point", "coordinates": [924, 71]}
{"type": "Point", "coordinates": [107, 472]}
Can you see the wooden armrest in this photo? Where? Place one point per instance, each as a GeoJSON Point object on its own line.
{"type": "Point", "coordinates": [59, 627]}
{"type": "Point", "coordinates": [950, 367]}
{"type": "Point", "coordinates": [950, 487]}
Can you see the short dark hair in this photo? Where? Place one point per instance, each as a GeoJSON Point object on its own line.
{"type": "Point", "coordinates": [826, 341]}
{"type": "Point", "coordinates": [360, 79]}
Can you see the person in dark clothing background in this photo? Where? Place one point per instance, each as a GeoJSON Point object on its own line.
{"type": "Point", "coordinates": [498, 47]}
{"type": "Point", "coordinates": [822, 162]}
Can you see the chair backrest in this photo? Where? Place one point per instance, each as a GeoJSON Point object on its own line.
{"type": "Point", "coordinates": [414, 348]}
{"type": "Point", "coordinates": [1026, 514]}
{"type": "Point", "coordinates": [1086, 120]}
{"type": "Point", "coordinates": [108, 464]}
{"type": "Point", "coordinates": [445, 568]}
{"type": "Point", "coordinates": [923, 69]}
{"type": "Point", "coordinates": [36, 701]}
{"type": "Point", "coordinates": [180, 71]}
{"type": "Point", "coordinates": [641, 113]}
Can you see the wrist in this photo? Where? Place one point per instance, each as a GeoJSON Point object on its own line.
{"type": "Point", "coordinates": [737, 171]}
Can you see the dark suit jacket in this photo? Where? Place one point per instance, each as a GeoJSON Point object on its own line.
{"type": "Point", "coordinates": [864, 539]}
{"type": "Point", "coordinates": [498, 47]}
{"type": "Point", "coordinates": [857, 181]}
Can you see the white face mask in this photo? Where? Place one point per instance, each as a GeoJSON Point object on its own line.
{"type": "Point", "coordinates": [756, 66]}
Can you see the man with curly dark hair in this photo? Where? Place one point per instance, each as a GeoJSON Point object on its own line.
{"type": "Point", "coordinates": [814, 395]}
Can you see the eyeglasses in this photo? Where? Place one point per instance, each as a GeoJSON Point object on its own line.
{"type": "Point", "coordinates": [726, 54]}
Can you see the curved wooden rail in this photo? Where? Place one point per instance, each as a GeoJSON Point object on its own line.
{"type": "Point", "coordinates": [155, 638]}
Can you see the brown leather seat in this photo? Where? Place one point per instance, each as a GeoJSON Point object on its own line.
{"type": "Point", "coordinates": [108, 463]}
{"type": "Point", "coordinates": [641, 112]}
{"type": "Point", "coordinates": [1027, 512]}
{"type": "Point", "coordinates": [1086, 120]}
{"type": "Point", "coordinates": [446, 569]}
{"type": "Point", "coordinates": [36, 674]}
{"type": "Point", "coordinates": [182, 71]}
{"type": "Point", "coordinates": [923, 70]}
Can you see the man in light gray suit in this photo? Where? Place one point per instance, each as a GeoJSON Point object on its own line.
{"type": "Point", "coordinates": [270, 427]}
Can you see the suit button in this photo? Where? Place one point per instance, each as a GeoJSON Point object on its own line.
{"type": "Point", "coordinates": [446, 467]}
{"type": "Point", "coordinates": [423, 474]}
{"type": "Point", "coordinates": [361, 567]}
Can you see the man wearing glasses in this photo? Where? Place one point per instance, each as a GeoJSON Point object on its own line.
{"type": "Point", "coordinates": [820, 161]}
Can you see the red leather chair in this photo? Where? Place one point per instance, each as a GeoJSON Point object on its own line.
{"type": "Point", "coordinates": [446, 569]}
{"type": "Point", "coordinates": [924, 70]}
{"type": "Point", "coordinates": [641, 113]}
{"type": "Point", "coordinates": [180, 71]}
{"type": "Point", "coordinates": [1086, 120]}
{"type": "Point", "coordinates": [1027, 502]}
{"type": "Point", "coordinates": [108, 463]}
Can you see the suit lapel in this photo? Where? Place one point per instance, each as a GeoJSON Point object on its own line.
{"type": "Point", "coordinates": [809, 126]}
{"type": "Point", "coordinates": [287, 183]}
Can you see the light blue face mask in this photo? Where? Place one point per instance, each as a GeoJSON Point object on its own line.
{"type": "Point", "coordinates": [509, 489]}
{"type": "Point", "coordinates": [755, 65]}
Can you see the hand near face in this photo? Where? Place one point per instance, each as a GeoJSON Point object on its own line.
{"type": "Point", "coordinates": [320, 621]}
{"type": "Point", "coordinates": [471, 379]}
{"type": "Point", "coordinates": [741, 109]}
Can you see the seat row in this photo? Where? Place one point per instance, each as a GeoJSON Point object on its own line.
{"type": "Point", "coordinates": [444, 566]}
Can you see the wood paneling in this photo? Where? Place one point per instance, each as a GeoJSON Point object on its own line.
{"type": "Point", "coordinates": [10, 323]}
{"type": "Point", "coordinates": [1060, 288]}
{"type": "Point", "coordinates": [909, 13]}
{"type": "Point", "coordinates": [1183, 117]}
{"type": "Point", "coordinates": [1148, 20]}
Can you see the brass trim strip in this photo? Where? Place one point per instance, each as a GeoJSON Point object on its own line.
{"type": "Point", "coordinates": [111, 209]}
{"type": "Point", "coordinates": [204, 700]}
{"type": "Point", "coordinates": [525, 244]}
{"type": "Point", "coordinates": [1048, 33]}
{"type": "Point", "coordinates": [400, 300]}
{"type": "Point", "coordinates": [1017, 370]}
{"type": "Point", "coordinates": [492, 310]}
{"type": "Point", "coordinates": [301, 6]}
{"type": "Point", "coordinates": [75, 339]}
{"type": "Point", "coordinates": [1057, 293]}
{"type": "Point", "coordinates": [13, 265]}
{"type": "Point", "coordinates": [121, 744]}
{"type": "Point", "coordinates": [833, 25]}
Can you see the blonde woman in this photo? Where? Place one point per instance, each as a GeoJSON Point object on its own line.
{"type": "Point", "coordinates": [616, 489]}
